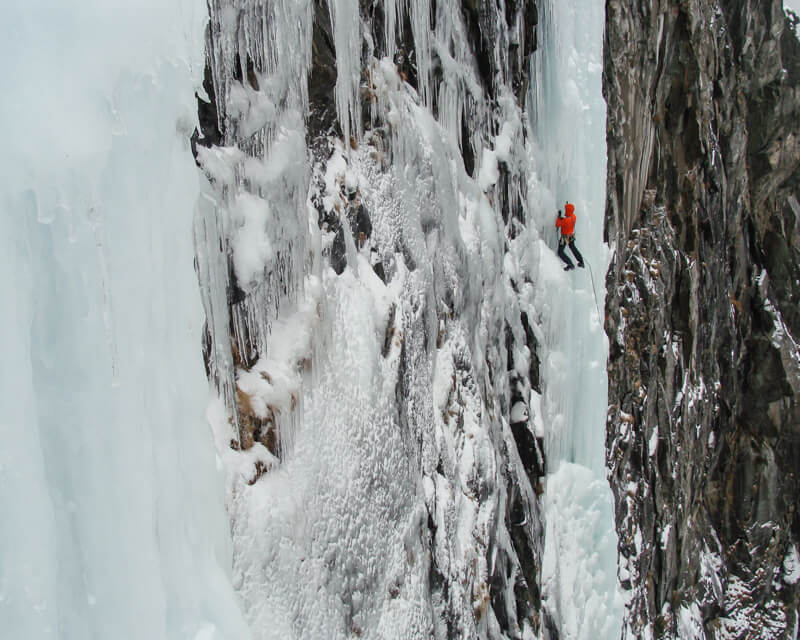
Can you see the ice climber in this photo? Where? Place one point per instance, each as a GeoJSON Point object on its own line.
{"type": "Point", "coordinates": [566, 224]}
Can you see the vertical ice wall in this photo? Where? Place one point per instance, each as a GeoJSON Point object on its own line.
{"type": "Point", "coordinates": [113, 522]}
{"type": "Point", "coordinates": [568, 112]}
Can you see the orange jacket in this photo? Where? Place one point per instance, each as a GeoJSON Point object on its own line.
{"type": "Point", "coordinates": [567, 223]}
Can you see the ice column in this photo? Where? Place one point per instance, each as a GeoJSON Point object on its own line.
{"type": "Point", "coordinates": [568, 112]}
{"type": "Point", "coordinates": [113, 520]}
{"type": "Point", "coordinates": [346, 22]}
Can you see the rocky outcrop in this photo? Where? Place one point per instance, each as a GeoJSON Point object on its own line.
{"type": "Point", "coordinates": [703, 434]}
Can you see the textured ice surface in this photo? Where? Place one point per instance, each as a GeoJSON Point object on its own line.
{"type": "Point", "coordinates": [579, 572]}
{"type": "Point", "coordinates": [113, 521]}
{"type": "Point", "coordinates": [396, 453]}
{"type": "Point", "coordinates": [393, 460]}
{"type": "Point", "coordinates": [401, 448]}
{"type": "Point", "coordinates": [579, 578]}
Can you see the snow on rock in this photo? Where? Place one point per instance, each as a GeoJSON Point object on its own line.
{"type": "Point", "coordinates": [219, 163]}
{"type": "Point", "coordinates": [386, 449]}
{"type": "Point", "coordinates": [489, 172]}
{"type": "Point", "coordinates": [519, 412]}
{"type": "Point", "coordinates": [690, 623]}
{"type": "Point", "coordinates": [504, 141]}
{"type": "Point", "coordinates": [684, 369]}
{"type": "Point", "coordinates": [252, 249]}
{"type": "Point", "coordinates": [791, 566]}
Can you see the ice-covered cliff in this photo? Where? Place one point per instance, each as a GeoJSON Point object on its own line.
{"type": "Point", "coordinates": [112, 514]}
{"type": "Point", "coordinates": [411, 391]}
{"type": "Point", "coordinates": [409, 399]}
{"type": "Point", "coordinates": [407, 392]}
{"type": "Point", "coordinates": [703, 116]}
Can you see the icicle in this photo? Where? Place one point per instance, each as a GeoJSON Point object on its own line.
{"type": "Point", "coordinates": [252, 229]}
{"type": "Point", "coordinates": [392, 10]}
{"type": "Point", "coordinates": [212, 274]}
{"type": "Point", "coordinates": [421, 28]}
{"type": "Point", "coordinates": [346, 23]}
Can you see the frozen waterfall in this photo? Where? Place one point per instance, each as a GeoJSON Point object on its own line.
{"type": "Point", "coordinates": [366, 416]}
{"type": "Point", "coordinates": [579, 571]}
{"type": "Point", "coordinates": [113, 522]}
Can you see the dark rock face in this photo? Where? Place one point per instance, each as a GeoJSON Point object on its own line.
{"type": "Point", "coordinates": [703, 434]}
{"type": "Point", "coordinates": [321, 82]}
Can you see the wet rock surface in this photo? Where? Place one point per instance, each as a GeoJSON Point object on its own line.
{"type": "Point", "coordinates": [703, 433]}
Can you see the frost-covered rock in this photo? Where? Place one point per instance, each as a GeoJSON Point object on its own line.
{"type": "Point", "coordinates": [375, 483]}
{"type": "Point", "coordinates": [702, 315]}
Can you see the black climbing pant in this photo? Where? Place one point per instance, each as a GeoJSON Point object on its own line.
{"type": "Point", "coordinates": [562, 244]}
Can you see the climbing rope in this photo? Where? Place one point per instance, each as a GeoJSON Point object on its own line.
{"type": "Point", "coordinates": [594, 289]}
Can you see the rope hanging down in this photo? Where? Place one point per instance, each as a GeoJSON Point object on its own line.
{"type": "Point", "coordinates": [594, 290]}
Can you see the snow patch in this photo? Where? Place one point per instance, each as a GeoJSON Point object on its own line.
{"type": "Point", "coordinates": [252, 249]}
{"type": "Point", "coordinates": [489, 172]}
{"type": "Point", "coordinates": [791, 566]}
{"type": "Point", "coordinates": [690, 623]}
